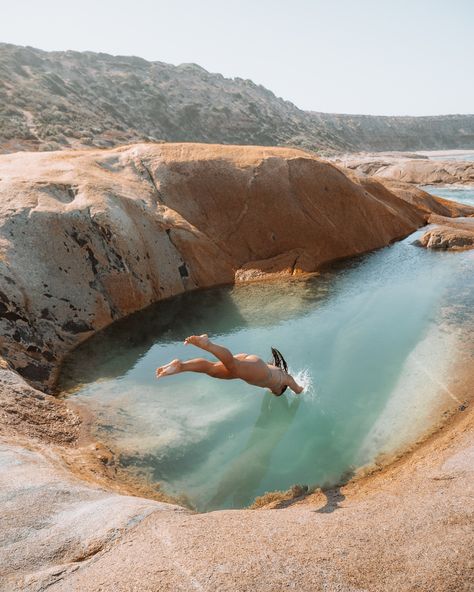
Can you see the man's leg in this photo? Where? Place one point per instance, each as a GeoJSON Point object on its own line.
{"type": "Point", "coordinates": [221, 353]}
{"type": "Point", "coordinates": [198, 365]}
{"type": "Point", "coordinates": [195, 365]}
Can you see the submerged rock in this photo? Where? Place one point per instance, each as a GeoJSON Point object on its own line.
{"type": "Point", "coordinates": [89, 237]}
{"type": "Point", "coordinates": [448, 234]}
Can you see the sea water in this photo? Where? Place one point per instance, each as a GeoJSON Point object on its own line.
{"type": "Point", "coordinates": [462, 155]}
{"type": "Point", "coordinates": [372, 340]}
{"type": "Point", "coordinates": [461, 193]}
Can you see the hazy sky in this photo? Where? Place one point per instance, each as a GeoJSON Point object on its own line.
{"type": "Point", "coordinates": [413, 57]}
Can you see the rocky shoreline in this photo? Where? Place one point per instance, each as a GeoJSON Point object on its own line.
{"type": "Point", "coordinates": [392, 168]}
{"type": "Point", "coordinates": [406, 526]}
{"type": "Point", "coordinates": [446, 233]}
{"type": "Point", "coordinates": [89, 237]}
{"type": "Point", "coordinates": [409, 168]}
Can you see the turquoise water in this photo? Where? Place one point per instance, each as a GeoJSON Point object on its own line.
{"type": "Point", "coordinates": [373, 339]}
{"type": "Point", "coordinates": [461, 193]}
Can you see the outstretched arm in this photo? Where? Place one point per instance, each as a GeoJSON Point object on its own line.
{"type": "Point", "coordinates": [294, 386]}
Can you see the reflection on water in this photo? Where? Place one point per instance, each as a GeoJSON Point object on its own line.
{"type": "Point", "coordinates": [211, 311]}
{"type": "Point", "coordinates": [377, 335]}
{"type": "Point", "coordinates": [244, 473]}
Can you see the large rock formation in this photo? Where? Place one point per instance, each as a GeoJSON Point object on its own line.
{"type": "Point", "coordinates": [55, 100]}
{"type": "Point", "coordinates": [63, 520]}
{"type": "Point", "coordinates": [89, 237]}
{"type": "Point", "coordinates": [407, 169]}
{"type": "Point", "coordinates": [408, 528]}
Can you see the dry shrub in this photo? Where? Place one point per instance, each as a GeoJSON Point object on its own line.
{"type": "Point", "coordinates": [277, 497]}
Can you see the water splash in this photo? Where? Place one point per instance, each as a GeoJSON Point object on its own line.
{"type": "Point", "coordinates": [305, 379]}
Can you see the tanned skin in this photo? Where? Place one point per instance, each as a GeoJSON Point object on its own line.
{"type": "Point", "coordinates": [247, 367]}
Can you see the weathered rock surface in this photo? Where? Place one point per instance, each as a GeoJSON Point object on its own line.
{"type": "Point", "coordinates": [421, 171]}
{"type": "Point", "coordinates": [408, 528]}
{"type": "Point", "coordinates": [449, 234]}
{"type": "Point", "coordinates": [89, 237]}
{"type": "Point", "coordinates": [51, 522]}
{"type": "Point", "coordinates": [29, 414]}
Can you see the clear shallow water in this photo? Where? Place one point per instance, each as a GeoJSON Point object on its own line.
{"type": "Point", "coordinates": [375, 337]}
{"type": "Point", "coordinates": [461, 193]}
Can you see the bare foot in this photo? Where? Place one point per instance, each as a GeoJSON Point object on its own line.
{"type": "Point", "coordinates": [201, 341]}
{"type": "Point", "coordinates": [172, 368]}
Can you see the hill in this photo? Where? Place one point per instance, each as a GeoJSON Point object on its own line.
{"type": "Point", "coordinates": [57, 100]}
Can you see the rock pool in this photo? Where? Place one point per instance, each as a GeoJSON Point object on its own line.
{"type": "Point", "coordinates": [459, 193]}
{"type": "Point", "coordinates": [375, 339]}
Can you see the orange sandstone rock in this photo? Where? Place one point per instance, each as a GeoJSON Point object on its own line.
{"type": "Point", "coordinates": [448, 234]}
{"type": "Point", "coordinates": [88, 237]}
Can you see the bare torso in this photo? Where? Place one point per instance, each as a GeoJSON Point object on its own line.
{"type": "Point", "coordinates": [255, 371]}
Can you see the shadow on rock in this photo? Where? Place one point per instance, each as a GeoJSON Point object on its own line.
{"type": "Point", "coordinates": [333, 498]}
{"type": "Point", "coordinates": [334, 495]}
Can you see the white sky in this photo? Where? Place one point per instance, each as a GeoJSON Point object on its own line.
{"type": "Point", "coordinates": [381, 57]}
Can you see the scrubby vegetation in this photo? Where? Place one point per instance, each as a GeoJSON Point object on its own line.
{"type": "Point", "coordinates": [54, 100]}
{"type": "Point", "coordinates": [275, 499]}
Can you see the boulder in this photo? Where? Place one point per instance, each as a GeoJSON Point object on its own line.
{"type": "Point", "coordinates": [448, 234]}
